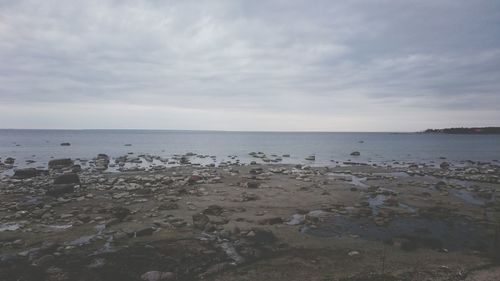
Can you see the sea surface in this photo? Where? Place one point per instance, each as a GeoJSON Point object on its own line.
{"type": "Point", "coordinates": [329, 148]}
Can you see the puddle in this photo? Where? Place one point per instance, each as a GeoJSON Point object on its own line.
{"type": "Point", "coordinates": [296, 219]}
{"type": "Point", "coordinates": [354, 180]}
{"type": "Point", "coordinates": [452, 235]}
{"type": "Point", "coordinates": [83, 240]}
{"type": "Point", "coordinates": [9, 227]}
{"type": "Point", "coordinates": [468, 197]}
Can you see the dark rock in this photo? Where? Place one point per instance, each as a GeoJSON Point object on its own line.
{"type": "Point", "coordinates": [253, 184]}
{"type": "Point", "coordinates": [200, 221]}
{"type": "Point", "coordinates": [120, 212]}
{"type": "Point", "coordinates": [193, 179]}
{"type": "Point", "coordinates": [144, 232]}
{"type": "Point", "coordinates": [274, 220]}
{"type": "Point", "coordinates": [102, 162]}
{"type": "Point", "coordinates": [60, 163]}
{"type": "Point", "coordinates": [9, 161]}
{"type": "Point", "coordinates": [263, 236]}
{"type": "Point", "coordinates": [355, 153]}
{"type": "Point", "coordinates": [68, 178]}
{"type": "Point", "coordinates": [65, 144]}
{"type": "Point", "coordinates": [60, 189]}
{"type": "Point", "coordinates": [213, 210]}
{"type": "Point", "coordinates": [168, 206]}
{"type": "Point", "coordinates": [444, 165]}
{"type": "Point", "coordinates": [157, 276]}
{"type": "Point", "coordinates": [26, 173]}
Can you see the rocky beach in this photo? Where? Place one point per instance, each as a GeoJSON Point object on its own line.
{"type": "Point", "coordinates": [145, 217]}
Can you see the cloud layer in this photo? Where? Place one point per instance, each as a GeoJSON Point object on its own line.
{"type": "Point", "coordinates": [250, 65]}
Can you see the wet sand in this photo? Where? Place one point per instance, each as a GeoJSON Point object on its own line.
{"type": "Point", "coordinates": [351, 221]}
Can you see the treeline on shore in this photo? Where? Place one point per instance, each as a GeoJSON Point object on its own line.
{"type": "Point", "coordinates": [473, 130]}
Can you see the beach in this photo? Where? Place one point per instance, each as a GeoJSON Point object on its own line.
{"type": "Point", "coordinates": [255, 221]}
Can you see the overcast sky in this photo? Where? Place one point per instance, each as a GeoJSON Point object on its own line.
{"type": "Point", "coordinates": [381, 65]}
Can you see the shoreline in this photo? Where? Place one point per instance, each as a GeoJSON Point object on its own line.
{"type": "Point", "coordinates": [250, 222]}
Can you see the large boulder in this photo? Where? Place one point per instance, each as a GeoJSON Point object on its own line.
{"type": "Point", "coordinates": [102, 162]}
{"type": "Point", "coordinates": [26, 173]}
{"type": "Point", "coordinates": [68, 178]}
{"type": "Point", "coordinates": [60, 189]}
{"type": "Point", "coordinates": [200, 221]}
{"type": "Point", "coordinates": [60, 163]}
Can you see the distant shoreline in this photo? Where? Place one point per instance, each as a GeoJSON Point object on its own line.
{"type": "Point", "coordinates": [466, 131]}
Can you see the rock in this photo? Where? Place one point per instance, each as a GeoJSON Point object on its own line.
{"type": "Point", "coordinates": [144, 231]}
{"type": "Point", "coordinates": [9, 161]}
{"type": "Point", "coordinates": [444, 165]}
{"type": "Point", "coordinates": [213, 210]}
{"type": "Point", "coordinates": [262, 236]}
{"type": "Point", "coordinates": [194, 179]}
{"type": "Point", "coordinates": [200, 221]}
{"type": "Point", "coordinates": [68, 178]}
{"type": "Point", "coordinates": [120, 212]}
{"type": "Point", "coordinates": [44, 260]}
{"type": "Point", "coordinates": [157, 276]}
{"type": "Point", "coordinates": [253, 184]}
{"type": "Point", "coordinates": [26, 173]}
{"type": "Point", "coordinates": [60, 163]}
{"type": "Point", "coordinates": [102, 162]}
{"type": "Point", "coordinates": [355, 153]}
{"type": "Point", "coordinates": [65, 144]}
{"type": "Point", "coordinates": [168, 206]}
{"type": "Point", "coordinates": [311, 158]}
{"type": "Point", "coordinates": [273, 220]}
{"type": "Point", "coordinates": [60, 189]}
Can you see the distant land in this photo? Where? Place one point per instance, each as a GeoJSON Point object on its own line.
{"type": "Point", "coordinates": [470, 131]}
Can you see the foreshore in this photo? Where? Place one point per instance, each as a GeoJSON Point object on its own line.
{"type": "Point", "coordinates": [259, 221]}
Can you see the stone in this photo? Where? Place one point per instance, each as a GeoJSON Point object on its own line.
{"type": "Point", "coordinates": [213, 210]}
{"type": "Point", "coordinates": [168, 206]}
{"type": "Point", "coordinates": [120, 212]}
{"type": "Point", "coordinates": [262, 236]}
{"type": "Point", "coordinates": [60, 189]}
{"type": "Point", "coordinates": [355, 153]}
{"type": "Point", "coordinates": [253, 184]}
{"type": "Point", "coordinates": [157, 276]}
{"type": "Point", "coordinates": [9, 161]}
{"type": "Point", "coordinates": [310, 158]}
{"type": "Point", "coordinates": [144, 232]}
{"type": "Point", "coordinates": [444, 165]}
{"type": "Point", "coordinates": [65, 144]}
{"type": "Point", "coordinates": [200, 221]}
{"type": "Point", "coordinates": [44, 260]}
{"type": "Point", "coordinates": [273, 220]}
{"type": "Point", "coordinates": [60, 163]}
{"type": "Point", "coordinates": [68, 178]}
{"type": "Point", "coordinates": [26, 173]}
{"type": "Point", "coordinates": [102, 162]}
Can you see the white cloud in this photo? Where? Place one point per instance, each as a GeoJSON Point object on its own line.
{"type": "Point", "coordinates": [326, 65]}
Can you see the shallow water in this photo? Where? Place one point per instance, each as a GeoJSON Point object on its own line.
{"type": "Point", "coordinates": [41, 145]}
{"type": "Point", "coordinates": [452, 234]}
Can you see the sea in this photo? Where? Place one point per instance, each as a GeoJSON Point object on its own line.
{"type": "Point", "coordinates": [34, 148]}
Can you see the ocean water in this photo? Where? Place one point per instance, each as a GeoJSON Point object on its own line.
{"type": "Point", "coordinates": [42, 145]}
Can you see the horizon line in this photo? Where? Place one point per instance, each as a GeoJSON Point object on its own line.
{"type": "Point", "coordinates": [206, 130]}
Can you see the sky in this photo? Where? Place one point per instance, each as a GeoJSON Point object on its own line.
{"type": "Point", "coordinates": [284, 65]}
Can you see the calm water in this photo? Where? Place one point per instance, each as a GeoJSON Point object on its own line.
{"type": "Point", "coordinates": [41, 145]}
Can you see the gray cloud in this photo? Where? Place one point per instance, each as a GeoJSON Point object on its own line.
{"type": "Point", "coordinates": [369, 65]}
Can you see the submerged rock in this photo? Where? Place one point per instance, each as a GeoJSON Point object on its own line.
{"type": "Point", "coordinates": [60, 189]}
{"type": "Point", "coordinates": [355, 153]}
{"type": "Point", "coordinates": [68, 178]}
{"type": "Point", "coordinates": [200, 221]}
{"type": "Point", "coordinates": [26, 173]}
{"type": "Point", "coordinates": [65, 144]}
{"type": "Point", "coordinates": [60, 163]}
